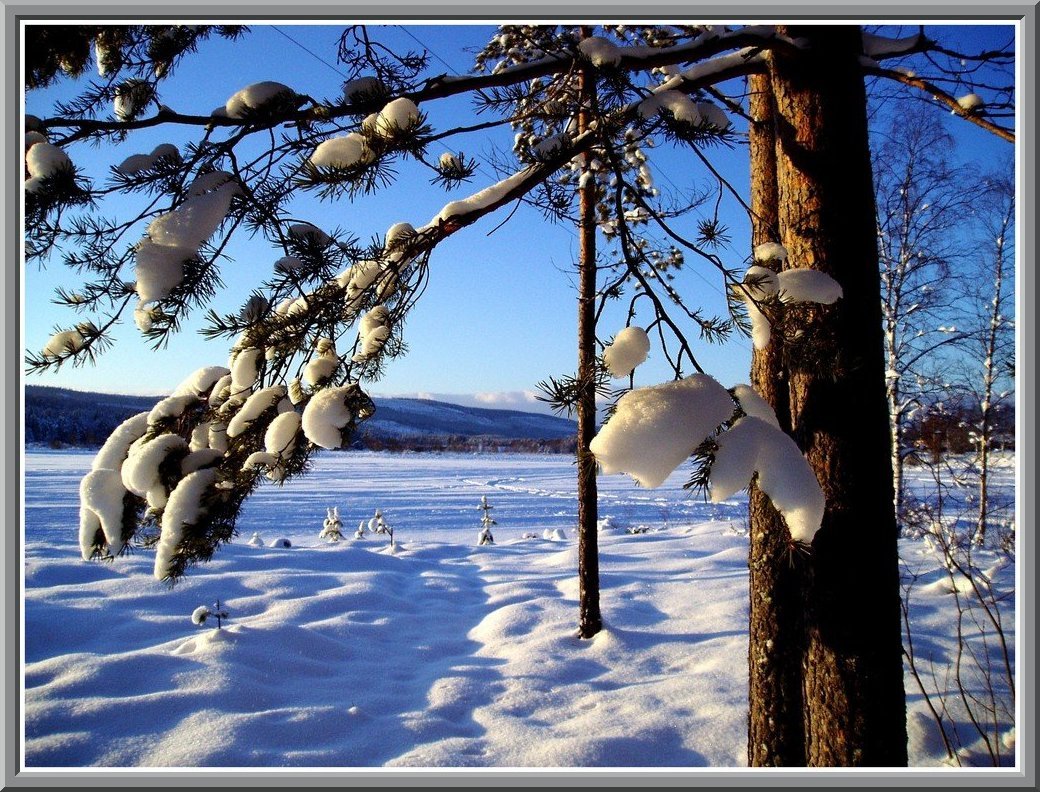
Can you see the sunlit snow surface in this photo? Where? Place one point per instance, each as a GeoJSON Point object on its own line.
{"type": "Point", "coordinates": [441, 654]}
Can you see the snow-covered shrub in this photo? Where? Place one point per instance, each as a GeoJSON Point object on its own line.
{"type": "Point", "coordinates": [378, 525]}
{"type": "Point", "coordinates": [280, 542]}
{"type": "Point", "coordinates": [332, 527]}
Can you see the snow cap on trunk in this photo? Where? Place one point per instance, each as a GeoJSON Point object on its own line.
{"type": "Point", "coordinates": [808, 285]}
{"type": "Point", "coordinates": [655, 429]}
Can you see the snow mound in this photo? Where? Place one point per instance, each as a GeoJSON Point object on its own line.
{"type": "Point", "coordinates": [628, 350]}
{"type": "Point", "coordinates": [655, 428]}
{"type": "Point", "coordinates": [136, 163]}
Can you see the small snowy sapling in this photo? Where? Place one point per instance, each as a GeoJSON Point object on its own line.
{"type": "Point", "coordinates": [380, 526]}
{"type": "Point", "coordinates": [486, 521]}
{"type": "Point", "coordinates": [332, 528]}
{"type": "Point", "coordinates": [203, 612]}
{"type": "Point", "coordinates": [360, 532]}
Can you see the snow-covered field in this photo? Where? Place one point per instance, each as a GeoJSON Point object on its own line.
{"type": "Point", "coordinates": [442, 653]}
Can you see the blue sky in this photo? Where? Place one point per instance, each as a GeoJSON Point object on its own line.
{"type": "Point", "coordinates": [499, 313]}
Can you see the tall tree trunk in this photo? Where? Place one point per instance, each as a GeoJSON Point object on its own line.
{"type": "Point", "coordinates": [775, 734]}
{"type": "Point", "coordinates": [855, 709]}
{"type": "Point", "coordinates": [589, 620]}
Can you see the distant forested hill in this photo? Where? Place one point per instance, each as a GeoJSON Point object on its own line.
{"type": "Point", "coordinates": [58, 417]}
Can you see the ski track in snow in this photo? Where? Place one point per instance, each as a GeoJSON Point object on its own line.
{"type": "Point", "coordinates": [440, 654]}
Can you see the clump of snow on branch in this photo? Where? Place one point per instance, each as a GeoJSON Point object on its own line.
{"type": "Point", "coordinates": [761, 282]}
{"type": "Point", "coordinates": [171, 407]}
{"type": "Point", "coordinates": [184, 507]}
{"type": "Point", "coordinates": [131, 99]}
{"type": "Point", "coordinates": [808, 285]}
{"type": "Point", "coordinates": [400, 233]}
{"type": "Point", "coordinates": [655, 428]}
{"type": "Point", "coordinates": [175, 237]}
{"type": "Point", "coordinates": [44, 159]}
{"type": "Point", "coordinates": [64, 343]}
{"type": "Point", "coordinates": [399, 115]}
{"type": "Point", "coordinates": [116, 447]}
{"type": "Point", "coordinates": [321, 368]}
{"type": "Point", "coordinates": [201, 381]}
{"type": "Point", "coordinates": [363, 88]}
{"type": "Point", "coordinates": [342, 152]}
{"type": "Point", "coordinates": [754, 405]}
{"type": "Point", "coordinates": [140, 472]}
{"type": "Point", "coordinates": [628, 349]}
{"type": "Point", "coordinates": [600, 52]}
{"type": "Point", "coordinates": [280, 438]}
{"type": "Point", "coordinates": [483, 199]}
{"type": "Point", "coordinates": [136, 163]}
{"type": "Point", "coordinates": [753, 445]}
{"type": "Point", "coordinates": [255, 97]}
{"type": "Point", "coordinates": [971, 103]}
{"type": "Point", "coordinates": [308, 232]}
{"type": "Point", "coordinates": [245, 367]}
{"type": "Point", "coordinates": [32, 138]}
{"type": "Point", "coordinates": [373, 333]}
{"type": "Point", "coordinates": [325, 416]}
{"type": "Point", "coordinates": [101, 494]}
{"type": "Point", "coordinates": [256, 405]}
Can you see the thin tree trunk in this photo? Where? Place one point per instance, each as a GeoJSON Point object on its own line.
{"type": "Point", "coordinates": [775, 734]}
{"type": "Point", "coordinates": [855, 709]}
{"type": "Point", "coordinates": [988, 380]}
{"type": "Point", "coordinates": [589, 619]}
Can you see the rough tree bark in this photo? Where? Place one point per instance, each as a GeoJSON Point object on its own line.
{"type": "Point", "coordinates": [775, 734]}
{"type": "Point", "coordinates": [589, 619]}
{"type": "Point", "coordinates": [855, 710]}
